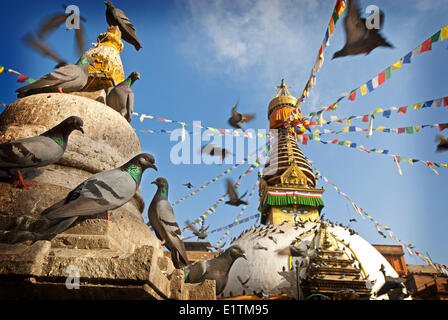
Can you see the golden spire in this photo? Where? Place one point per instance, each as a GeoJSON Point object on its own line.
{"type": "Point", "coordinates": [283, 89]}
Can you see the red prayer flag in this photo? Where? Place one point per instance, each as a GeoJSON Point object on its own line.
{"type": "Point", "coordinates": [22, 78]}
{"type": "Point", "coordinates": [352, 96]}
{"type": "Point", "coordinates": [426, 46]}
{"type": "Point", "coordinates": [382, 77]}
{"type": "Point", "coordinates": [305, 139]}
{"type": "Point", "coordinates": [365, 118]}
{"type": "Point", "coordinates": [401, 130]}
{"type": "Point", "coordinates": [445, 101]}
{"type": "Point", "coordinates": [335, 141]}
{"type": "Point", "coordinates": [402, 110]}
{"type": "Point", "coordinates": [442, 126]}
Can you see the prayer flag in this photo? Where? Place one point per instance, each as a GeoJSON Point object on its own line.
{"type": "Point", "coordinates": [363, 89]}
{"type": "Point", "coordinates": [352, 96]}
{"type": "Point", "coordinates": [444, 33]}
{"type": "Point", "coordinates": [382, 77]}
{"type": "Point", "coordinates": [426, 46]}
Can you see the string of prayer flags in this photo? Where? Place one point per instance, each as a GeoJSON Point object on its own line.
{"type": "Point", "coordinates": [337, 11]}
{"type": "Point", "coordinates": [409, 247]}
{"type": "Point", "coordinates": [385, 75]}
{"type": "Point", "coordinates": [22, 78]}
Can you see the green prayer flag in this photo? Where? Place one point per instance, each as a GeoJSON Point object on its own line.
{"type": "Point", "coordinates": [388, 70]}
{"type": "Point", "coordinates": [335, 17]}
{"type": "Point", "coordinates": [435, 37]}
{"type": "Point", "coordinates": [409, 130]}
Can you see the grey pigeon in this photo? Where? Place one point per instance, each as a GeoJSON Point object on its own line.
{"type": "Point", "coordinates": [116, 17]}
{"type": "Point", "coordinates": [201, 233]}
{"type": "Point", "coordinates": [234, 198]}
{"type": "Point", "coordinates": [163, 221]}
{"type": "Point", "coordinates": [104, 191]}
{"type": "Point", "coordinates": [68, 78]}
{"type": "Point", "coordinates": [390, 283]}
{"type": "Point", "coordinates": [56, 20]}
{"type": "Point", "coordinates": [38, 151]}
{"type": "Point", "coordinates": [291, 251]}
{"type": "Point", "coordinates": [237, 118]}
{"type": "Point", "coordinates": [360, 39]}
{"type": "Point", "coordinates": [215, 269]}
{"type": "Point", "coordinates": [121, 97]}
{"type": "Point", "coordinates": [214, 150]}
{"type": "Point", "coordinates": [443, 143]}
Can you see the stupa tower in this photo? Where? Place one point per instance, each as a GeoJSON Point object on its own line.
{"type": "Point", "coordinates": [287, 185]}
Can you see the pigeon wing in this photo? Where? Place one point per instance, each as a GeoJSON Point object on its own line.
{"type": "Point", "coordinates": [51, 24]}
{"type": "Point", "coordinates": [129, 106]}
{"type": "Point", "coordinates": [355, 27]}
{"type": "Point", "coordinates": [40, 46]}
{"type": "Point", "coordinates": [247, 117]}
{"type": "Point", "coordinates": [231, 190]}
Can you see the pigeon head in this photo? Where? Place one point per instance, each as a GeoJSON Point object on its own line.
{"type": "Point", "coordinates": [236, 252]}
{"type": "Point", "coordinates": [86, 60]}
{"type": "Point", "coordinates": [161, 182]}
{"type": "Point", "coordinates": [146, 160]}
{"type": "Point", "coordinates": [73, 123]}
{"type": "Point", "coordinates": [109, 4]}
{"type": "Point", "coordinates": [134, 76]}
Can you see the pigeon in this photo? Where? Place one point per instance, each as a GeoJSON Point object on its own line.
{"type": "Point", "coordinates": [121, 98]}
{"type": "Point", "coordinates": [163, 221]}
{"type": "Point", "coordinates": [38, 151]}
{"type": "Point", "coordinates": [215, 269]}
{"type": "Point", "coordinates": [390, 283]}
{"type": "Point", "coordinates": [258, 246]}
{"type": "Point", "coordinates": [188, 185]}
{"type": "Point", "coordinates": [353, 220]}
{"type": "Point", "coordinates": [103, 191]}
{"type": "Point", "coordinates": [214, 150]}
{"type": "Point", "coordinates": [443, 143]}
{"type": "Point", "coordinates": [40, 46]}
{"type": "Point", "coordinates": [218, 249]}
{"type": "Point", "coordinates": [201, 233]}
{"type": "Point", "coordinates": [360, 39]}
{"type": "Point", "coordinates": [238, 118]}
{"type": "Point", "coordinates": [116, 17]}
{"type": "Point", "coordinates": [53, 22]}
{"type": "Point", "coordinates": [68, 78]}
{"type": "Point", "coordinates": [234, 199]}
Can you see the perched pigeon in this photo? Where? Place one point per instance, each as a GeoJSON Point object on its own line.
{"type": "Point", "coordinates": [390, 283]}
{"type": "Point", "coordinates": [360, 39]}
{"type": "Point", "coordinates": [104, 191]}
{"type": "Point", "coordinates": [214, 150]}
{"type": "Point", "coordinates": [215, 269]}
{"type": "Point", "coordinates": [121, 98]}
{"type": "Point", "coordinates": [443, 143]}
{"type": "Point", "coordinates": [234, 198]}
{"type": "Point", "coordinates": [188, 185]}
{"type": "Point", "coordinates": [201, 233]}
{"type": "Point", "coordinates": [237, 119]}
{"type": "Point", "coordinates": [38, 151]}
{"type": "Point", "coordinates": [56, 20]}
{"type": "Point", "coordinates": [68, 78]}
{"type": "Point", "coordinates": [116, 17]}
{"type": "Point", "coordinates": [163, 221]}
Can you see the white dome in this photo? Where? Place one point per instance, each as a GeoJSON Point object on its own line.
{"type": "Point", "coordinates": [264, 263]}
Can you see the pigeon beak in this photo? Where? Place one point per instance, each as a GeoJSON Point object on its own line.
{"type": "Point", "coordinates": [154, 182]}
{"type": "Point", "coordinates": [81, 129]}
{"type": "Point", "coordinates": [244, 256]}
{"type": "Point", "coordinates": [154, 167]}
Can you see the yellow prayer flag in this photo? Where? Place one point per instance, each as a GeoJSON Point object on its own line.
{"type": "Point", "coordinates": [444, 33]}
{"type": "Point", "coordinates": [379, 151]}
{"type": "Point", "coordinates": [410, 161]}
{"type": "Point", "coordinates": [349, 121]}
{"type": "Point", "coordinates": [363, 89]}
{"type": "Point", "coordinates": [347, 143]}
{"type": "Point", "coordinates": [317, 132]}
{"type": "Point", "coordinates": [317, 138]}
{"type": "Point", "coordinates": [331, 26]}
{"type": "Point", "coordinates": [444, 165]}
{"type": "Point", "coordinates": [418, 105]}
{"type": "Point", "coordinates": [378, 110]}
{"type": "Point", "coordinates": [397, 65]}
{"type": "Point", "coordinates": [2, 68]}
{"type": "Point", "coordinates": [342, 8]}
{"type": "Point", "coordinates": [380, 128]}
{"type": "Point", "coordinates": [345, 129]}
{"type": "Point", "coordinates": [417, 128]}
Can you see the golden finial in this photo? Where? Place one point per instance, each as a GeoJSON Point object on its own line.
{"type": "Point", "coordinates": [282, 89]}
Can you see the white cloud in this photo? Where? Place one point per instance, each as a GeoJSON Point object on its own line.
{"type": "Point", "coordinates": [266, 38]}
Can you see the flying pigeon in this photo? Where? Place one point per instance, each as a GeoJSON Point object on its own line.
{"type": "Point", "coordinates": [292, 251]}
{"type": "Point", "coordinates": [38, 151]}
{"type": "Point", "coordinates": [116, 17]}
{"type": "Point", "coordinates": [121, 98]}
{"type": "Point", "coordinates": [201, 233]}
{"type": "Point", "coordinates": [163, 221]}
{"type": "Point", "coordinates": [359, 38]}
{"type": "Point", "coordinates": [53, 22]}
{"type": "Point", "coordinates": [215, 269]}
{"type": "Point", "coordinates": [237, 119]}
{"type": "Point", "coordinates": [353, 220]}
{"type": "Point", "coordinates": [188, 185]}
{"type": "Point", "coordinates": [214, 150]}
{"type": "Point", "coordinates": [234, 198]}
{"type": "Point", "coordinates": [44, 49]}
{"type": "Point", "coordinates": [443, 143]}
{"type": "Point", "coordinates": [68, 78]}
{"type": "Point", "coordinates": [104, 191]}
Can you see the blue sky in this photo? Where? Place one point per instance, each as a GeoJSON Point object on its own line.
{"type": "Point", "coordinates": [199, 57]}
